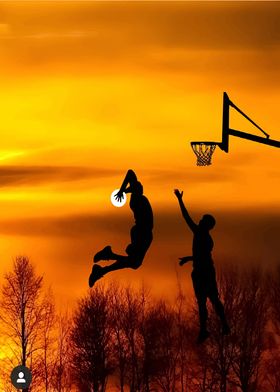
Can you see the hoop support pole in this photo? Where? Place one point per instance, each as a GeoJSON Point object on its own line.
{"type": "Point", "coordinates": [247, 117]}
{"type": "Point", "coordinates": [225, 125]}
{"type": "Point", "coordinates": [259, 139]}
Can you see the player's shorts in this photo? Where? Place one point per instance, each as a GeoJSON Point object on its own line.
{"type": "Point", "coordinates": [205, 284]}
{"type": "Point", "coordinates": [140, 243]}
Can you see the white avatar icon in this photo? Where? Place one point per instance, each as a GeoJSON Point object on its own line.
{"type": "Point", "coordinates": [21, 379]}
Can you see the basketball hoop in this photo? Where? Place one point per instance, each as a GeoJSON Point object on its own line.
{"type": "Point", "coordinates": [203, 152]}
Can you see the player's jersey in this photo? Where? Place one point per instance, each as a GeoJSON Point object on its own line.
{"type": "Point", "coordinates": [142, 210]}
{"type": "Point", "coordinates": [202, 248]}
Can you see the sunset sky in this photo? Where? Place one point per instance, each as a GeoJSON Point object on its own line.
{"type": "Point", "coordinates": [91, 89]}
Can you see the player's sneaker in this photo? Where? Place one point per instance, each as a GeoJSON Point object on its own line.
{"type": "Point", "coordinates": [95, 275]}
{"type": "Point", "coordinates": [104, 254]}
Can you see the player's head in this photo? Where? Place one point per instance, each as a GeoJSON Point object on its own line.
{"type": "Point", "coordinates": [207, 222]}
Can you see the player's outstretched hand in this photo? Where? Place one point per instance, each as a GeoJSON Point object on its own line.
{"type": "Point", "coordinates": [178, 194]}
{"type": "Point", "coordinates": [119, 196]}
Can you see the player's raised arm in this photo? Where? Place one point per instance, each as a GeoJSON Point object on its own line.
{"type": "Point", "coordinates": [129, 179]}
{"type": "Point", "coordinates": [185, 213]}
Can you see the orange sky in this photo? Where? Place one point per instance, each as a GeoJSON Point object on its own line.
{"type": "Point", "coordinates": [90, 89]}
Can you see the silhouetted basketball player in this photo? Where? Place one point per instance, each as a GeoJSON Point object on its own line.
{"type": "Point", "coordinates": [203, 274]}
{"type": "Point", "coordinates": [141, 233]}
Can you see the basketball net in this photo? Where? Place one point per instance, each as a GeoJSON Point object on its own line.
{"type": "Point", "coordinates": [203, 152]}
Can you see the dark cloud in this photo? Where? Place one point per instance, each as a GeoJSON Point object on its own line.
{"type": "Point", "coordinates": [62, 247]}
{"type": "Point", "coordinates": [175, 24]}
{"type": "Point", "coordinates": [34, 175]}
{"type": "Point", "coordinates": [195, 177]}
{"type": "Point", "coordinates": [242, 236]}
{"type": "Point", "coordinates": [66, 226]}
{"type": "Point", "coordinates": [133, 34]}
{"type": "Point", "coordinates": [16, 176]}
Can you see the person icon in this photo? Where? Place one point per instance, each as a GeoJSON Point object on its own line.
{"type": "Point", "coordinates": [21, 379]}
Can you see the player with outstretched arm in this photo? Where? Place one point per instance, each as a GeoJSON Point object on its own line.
{"type": "Point", "coordinates": [203, 274]}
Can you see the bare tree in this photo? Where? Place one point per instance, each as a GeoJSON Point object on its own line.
{"type": "Point", "coordinates": [185, 340]}
{"type": "Point", "coordinates": [205, 374]}
{"type": "Point", "coordinates": [274, 291]}
{"type": "Point", "coordinates": [151, 339]}
{"type": "Point", "coordinates": [165, 352]}
{"type": "Point", "coordinates": [48, 338]}
{"type": "Point", "coordinates": [230, 363]}
{"type": "Point", "coordinates": [91, 341]}
{"type": "Point", "coordinates": [220, 349]}
{"type": "Point", "coordinates": [271, 369]}
{"type": "Point", "coordinates": [130, 322]}
{"type": "Point", "coordinates": [120, 343]}
{"type": "Point", "coordinates": [23, 315]}
{"type": "Point", "coordinates": [61, 376]}
{"type": "Point", "coordinates": [251, 312]}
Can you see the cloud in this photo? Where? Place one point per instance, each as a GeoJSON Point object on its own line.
{"type": "Point", "coordinates": [62, 35]}
{"type": "Point", "coordinates": [77, 226]}
{"type": "Point", "coordinates": [62, 247]}
{"type": "Point", "coordinates": [17, 176]}
{"type": "Point", "coordinates": [155, 35]}
{"type": "Point", "coordinates": [179, 24]}
{"type": "Point", "coordinates": [243, 236]}
{"type": "Point", "coordinates": [34, 175]}
{"type": "Point", "coordinates": [194, 177]}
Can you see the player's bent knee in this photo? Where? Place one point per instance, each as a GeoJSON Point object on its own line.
{"type": "Point", "coordinates": [129, 249]}
{"type": "Point", "coordinates": [136, 263]}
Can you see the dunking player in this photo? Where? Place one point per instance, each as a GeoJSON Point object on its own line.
{"type": "Point", "coordinates": [141, 233]}
{"type": "Point", "coordinates": [203, 274]}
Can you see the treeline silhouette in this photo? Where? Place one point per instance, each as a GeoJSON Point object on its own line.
{"type": "Point", "coordinates": [122, 339]}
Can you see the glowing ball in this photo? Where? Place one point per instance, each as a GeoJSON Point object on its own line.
{"type": "Point", "coordinates": [115, 202]}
